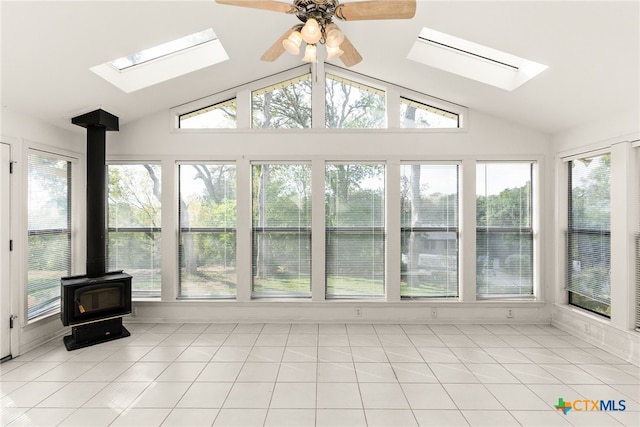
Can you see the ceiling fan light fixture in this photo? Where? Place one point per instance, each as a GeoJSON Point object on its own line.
{"type": "Point", "coordinates": [334, 37]}
{"type": "Point", "coordinates": [311, 31]}
{"type": "Point", "coordinates": [334, 52]}
{"type": "Point", "coordinates": [310, 53]}
{"type": "Point", "coordinates": [292, 43]}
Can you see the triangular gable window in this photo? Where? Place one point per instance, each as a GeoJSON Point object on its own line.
{"type": "Point", "coordinates": [284, 101]}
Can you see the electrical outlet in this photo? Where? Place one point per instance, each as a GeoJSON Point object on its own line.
{"type": "Point", "coordinates": [509, 313]}
{"type": "Point", "coordinates": [358, 312]}
{"type": "Point", "coordinates": [587, 328]}
{"type": "Point", "coordinates": [434, 313]}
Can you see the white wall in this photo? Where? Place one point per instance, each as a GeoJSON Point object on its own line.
{"type": "Point", "coordinates": [613, 134]}
{"type": "Point", "coordinates": [22, 133]}
{"type": "Point", "coordinates": [486, 138]}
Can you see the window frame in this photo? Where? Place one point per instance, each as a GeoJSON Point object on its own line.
{"type": "Point", "coordinates": [76, 233]}
{"type": "Point", "coordinates": [244, 110]}
{"type": "Point", "coordinates": [376, 231]}
{"type": "Point", "coordinates": [534, 208]}
{"type": "Point", "coordinates": [154, 230]}
{"type": "Point", "coordinates": [444, 229]}
{"type": "Point", "coordinates": [214, 230]}
{"type": "Point", "coordinates": [256, 229]}
{"type": "Point", "coordinates": [582, 231]}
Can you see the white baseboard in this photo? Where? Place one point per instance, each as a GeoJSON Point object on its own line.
{"type": "Point", "coordinates": [344, 311]}
{"type": "Point", "coordinates": [598, 331]}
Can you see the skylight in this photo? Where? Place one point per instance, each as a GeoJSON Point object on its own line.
{"type": "Point", "coordinates": [163, 62]}
{"type": "Point", "coordinates": [164, 49]}
{"type": "Point", "coordinates": [473, 60]}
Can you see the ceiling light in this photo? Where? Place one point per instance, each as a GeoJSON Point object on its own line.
{"type": "Point", "coordinates": [334, 52]}
{"type": "Point", "coordinates": [310, 53]}
{"type": "Point", "coordinates": [292, 43]}
{"type": "Point", "coordinates": [335, 37]}
{"type": "Point", "coordinates": [311, 32]}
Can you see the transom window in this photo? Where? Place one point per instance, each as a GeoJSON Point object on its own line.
{"type": "Point", "coordinates": [414, 114]}
{"type": "Point", "coordinates": [349, 103]}
{"type": "Point", "coordinates": [217, 116]}
{"type": "Point", "coordinates": [353, 105]}
{"type": "Point", "coordinates": [283, 105]}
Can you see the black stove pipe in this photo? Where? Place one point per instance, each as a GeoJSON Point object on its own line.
{"type": "Point", "coordinates": [97, 123]}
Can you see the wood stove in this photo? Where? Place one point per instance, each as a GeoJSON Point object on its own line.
{"type": "Point", "coordinates": [93, 304]}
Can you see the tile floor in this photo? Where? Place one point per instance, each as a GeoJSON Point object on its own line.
{"type": "Point", "coordinates": [319, 375]}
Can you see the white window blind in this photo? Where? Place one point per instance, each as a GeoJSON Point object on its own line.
{"type": "Point", "coordinates": [355, 233]}
{"type": "Point", "coordinates": [589, 234]}
{"type": "Point", "coordinates": [504, 231]}
{"type": "Point", "coordinates": [281, 231]}
{"type": "Point", "coordinates": [134, 217]}
{"type": "Point", "coordinates": [207, 211]}
{"type": "Point", "coordinates": [429, 230]}
{"type": "Point", "coordinates": [49, 230]}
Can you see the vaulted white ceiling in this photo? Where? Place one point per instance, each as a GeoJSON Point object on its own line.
{"type": "Point", "coordinates": [592, 50]}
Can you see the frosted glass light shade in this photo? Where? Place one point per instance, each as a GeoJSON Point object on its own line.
{"type": "Point", "coordinates": [311, 33]}
{"type": "Point", "coordinates": [334, 52]}
{"type": "Point", "coordinates": [309, 53]}
{"type": "Point", "coordinates": [335, 37]}
{"type": "Point", "coordinates": [292, 43]}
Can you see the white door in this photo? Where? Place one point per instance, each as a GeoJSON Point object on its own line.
{"type": "Point", "coordinates": [5, 289]}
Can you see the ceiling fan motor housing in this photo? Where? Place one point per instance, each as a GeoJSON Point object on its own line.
{"type": "Point", "coordinates": [317, 9]}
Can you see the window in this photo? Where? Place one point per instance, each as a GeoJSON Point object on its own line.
{"type": "Point", "coordinates": [429, 233]}
{"type": "Point", "coordinates": [355, 234]}
{"type": "Point", "coordinates": [283, 105]}
{"type": "Point", "coordinates": [589, 234]}
{"type": "Point", "coordinates": [49, 230]}
{"type": "Point", "coordinates": [353, 105]}
{"type": "Point", "coordinates": [416, 115]}
{"type": "Point", "coordinates": [284, 101]}
{"type": "Point", "coordinates": [281, 230]}
{"type": "Point", "coordinates": [134, 225]}
{"type": "Point", "coordinates": [217, 116]}
{"type": "Point", "coordinates": [504, 234]}
{"type": "Point", "coordinates": [207, 212]}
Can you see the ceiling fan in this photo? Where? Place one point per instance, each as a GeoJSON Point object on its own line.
{"type": "Point", "coordinates": [318, 27]}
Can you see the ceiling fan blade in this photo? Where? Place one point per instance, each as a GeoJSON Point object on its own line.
{"type": "Point", "coordinates": [276, 49]}
{"type": "Point", "coordinates": [376, 9]}
{"type": "Point", "coordinates": [275, 6]}
{"type": "Point", "coordinates": [350, 56]}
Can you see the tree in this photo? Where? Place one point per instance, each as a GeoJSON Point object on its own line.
{"type": "Point", "coordinates": [350, 107]}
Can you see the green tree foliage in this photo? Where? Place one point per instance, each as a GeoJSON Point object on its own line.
{"type": "Point", "coordinates": [589, 242]}
{"type": "Point", "coordinates": [286, 106]}
{"type": "Point", "coordinates": [510, 208]}
{"type": "Point", "coordinates": [351, 106]}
